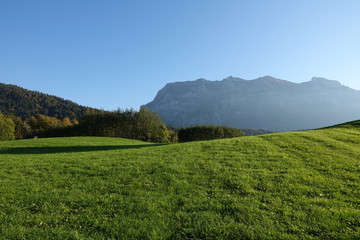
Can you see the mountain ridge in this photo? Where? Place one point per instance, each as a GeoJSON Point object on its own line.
{"type": "Point", "coordinates": [262, 103]}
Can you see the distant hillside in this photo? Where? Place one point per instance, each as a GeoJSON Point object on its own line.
{"type": "Point", "coordinates": [264, 103]}
{"type": "Point", "coordinates": [25, 103]}
{"type": "Point", "coordinates": [254, 132]}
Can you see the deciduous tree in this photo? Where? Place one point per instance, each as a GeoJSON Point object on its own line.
{"type": "Point", "coordinates": [7, 128]}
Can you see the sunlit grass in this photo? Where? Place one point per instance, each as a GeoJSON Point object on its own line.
{"type": "Point", "coordinates": [300, 185]}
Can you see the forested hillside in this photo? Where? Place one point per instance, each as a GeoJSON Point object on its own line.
{"type": "Point", "coordinates": [24, 103]}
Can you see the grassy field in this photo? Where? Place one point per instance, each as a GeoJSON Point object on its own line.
{"type": "Point", "coordinates": [299, 185]}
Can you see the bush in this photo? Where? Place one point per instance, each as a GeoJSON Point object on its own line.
{"type": "Point", "coordinates": [198, 133]}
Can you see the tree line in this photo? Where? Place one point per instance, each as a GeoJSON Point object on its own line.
{"type": "Point", "coordinates": [13, 127]}
{"type": "Point", "coordinates": [198, 133]}
{"type": "Point", "coordinates": [141, 125]}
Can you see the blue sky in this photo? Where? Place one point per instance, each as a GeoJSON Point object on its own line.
{"type": "Point", "coordinates": [110, 54]}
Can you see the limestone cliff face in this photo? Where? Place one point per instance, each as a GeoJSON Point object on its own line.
{"type": "Point", "coordinates": [263, 103]}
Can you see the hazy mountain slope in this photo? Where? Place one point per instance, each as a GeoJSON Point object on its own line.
{"type": "Point", "coordinates": [25, 103]}
{"type": "Point", "coordinates": [255, 132]}
{"type": "Point", "coordinates": [263, 103]}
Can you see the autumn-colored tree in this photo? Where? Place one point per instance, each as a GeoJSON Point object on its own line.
{"type": "Point", "coordinates": [74, 122]}
{"type": "Point", "coordinates": [44, 125]}
{"type": "Point", "coordinates": [66, 122]}
{"type": "Point", "coordinates": [46, 122]}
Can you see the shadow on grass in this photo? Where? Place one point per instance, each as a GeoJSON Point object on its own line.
{"type": "Point", "coordinates": [71, 149]}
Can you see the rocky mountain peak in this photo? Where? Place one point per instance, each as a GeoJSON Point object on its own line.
{"type": "Point", "coordinates": [231, 78]}
{"type": "Point", "coordinates": [325, 82]}
{"type": "Point", "coordinates": [267, 78]}
{"type": "Point", "coordinates": [201, 80]}
{"type": "Point", "coordinates": [263, 103]}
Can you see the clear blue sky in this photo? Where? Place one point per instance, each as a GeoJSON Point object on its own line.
{"type": "Point", "coordinates": [110, 54]}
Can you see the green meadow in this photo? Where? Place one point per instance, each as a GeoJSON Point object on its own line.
{"type": "Point", "coordinates": [296, 185]}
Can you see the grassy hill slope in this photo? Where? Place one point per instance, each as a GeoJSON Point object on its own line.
{"type": "Point", "coordinates": [299, 185]}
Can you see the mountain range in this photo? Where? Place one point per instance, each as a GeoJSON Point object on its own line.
{"type": "Point", "coordinates": [263, 103]}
